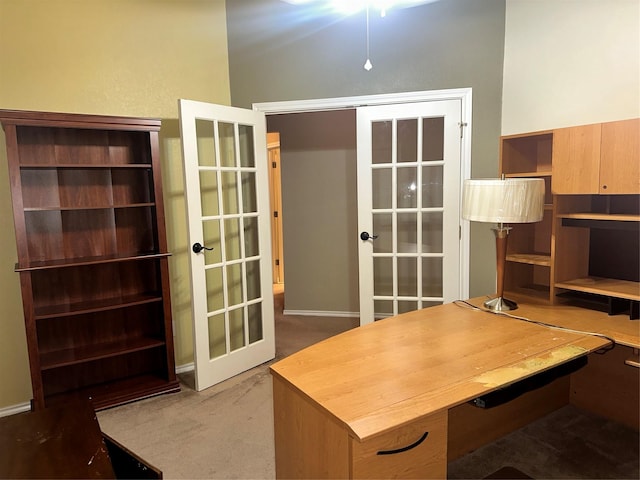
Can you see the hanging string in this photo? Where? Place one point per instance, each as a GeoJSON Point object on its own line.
{"type": "Point", "coordinates": [367, 65]}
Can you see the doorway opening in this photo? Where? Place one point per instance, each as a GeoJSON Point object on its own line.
{"type": "Point", "coordinates": [320, 240]}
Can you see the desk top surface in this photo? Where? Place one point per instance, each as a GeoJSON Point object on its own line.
{"type": "Point", "coordinates": [56, 442]}
{"type": "Point", "coordinates": [388, 373]}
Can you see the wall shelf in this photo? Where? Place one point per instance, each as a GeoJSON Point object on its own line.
{"type": "Point", "coordinates": [530, 258]}
{"type": "Point", "coordinates": [603, 286]}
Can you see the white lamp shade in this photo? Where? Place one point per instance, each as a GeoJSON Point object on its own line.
{"type": "Point", "coordinates": [513, 200]}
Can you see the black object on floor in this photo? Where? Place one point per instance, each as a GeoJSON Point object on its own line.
{"type": "Point", "coordinates": [508, 472]}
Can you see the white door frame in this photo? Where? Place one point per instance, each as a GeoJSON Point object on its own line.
{"type": "Point", "coordinates": [339, 103]}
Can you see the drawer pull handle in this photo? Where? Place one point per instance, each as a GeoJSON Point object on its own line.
{"type": "Point", "coordinates": [404, 449]}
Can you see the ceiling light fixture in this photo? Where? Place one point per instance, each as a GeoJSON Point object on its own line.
{"type": "Point", "coordinates": [368, 65]}
{"type": "Point", "coordinates": [349, 7]}
{"type": "Point", "coordinates": [353, 6]}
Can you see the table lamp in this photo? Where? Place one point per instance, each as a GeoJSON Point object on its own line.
{"type": "Point", "coordinates": [503, 201]}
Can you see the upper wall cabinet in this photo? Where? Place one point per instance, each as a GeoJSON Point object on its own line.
{"type": "Point", "coordinates": [597, 159]}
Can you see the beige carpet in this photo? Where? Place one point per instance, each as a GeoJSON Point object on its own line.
{"type": "Point", "coordinates": [226, 431]}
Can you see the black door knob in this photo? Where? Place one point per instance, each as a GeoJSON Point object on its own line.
{"type": "Point", "coordinates": [366, 236]}
{"type": "Point", "coordinates": [197, 248]}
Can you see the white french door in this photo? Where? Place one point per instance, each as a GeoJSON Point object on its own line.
{"type": "Point", "coordinates": [226, 189]}
{"type": "Point", "coordinates": [409, 168]}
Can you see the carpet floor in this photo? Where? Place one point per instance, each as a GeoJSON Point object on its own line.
{"type": "Point", "coordinates": [226, 431]}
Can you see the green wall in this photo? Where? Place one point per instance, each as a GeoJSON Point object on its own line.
{"type": "Point", "coordinates": [113, 57]}
{"type": "Point", "coordinates": [279, 52]}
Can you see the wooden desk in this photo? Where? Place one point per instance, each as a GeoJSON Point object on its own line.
{"type": "Point", "coordinates": [381, 387]}
{"type": "Point", "coordinates": [65, 442]}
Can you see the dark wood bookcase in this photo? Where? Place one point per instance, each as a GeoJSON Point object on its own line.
{"type": "Point", "coordinates": [92, 256]}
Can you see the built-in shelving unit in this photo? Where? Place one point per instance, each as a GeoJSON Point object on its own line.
{"type": "Point", "coordinates": [92, 255]}
{"type": "Point", "coordinates": [529, 262]}
{"type": "Point", "coordinates": [588, 240]}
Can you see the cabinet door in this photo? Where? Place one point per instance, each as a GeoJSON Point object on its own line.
{"type": "Point", "coordinates": [620, 157]}
{"type": "Point", "coordinates": [418, 450]}
{"type": "Point", "coordinates": [576, 160]}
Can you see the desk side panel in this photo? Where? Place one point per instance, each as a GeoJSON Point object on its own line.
{"type": "Point", "coordinates": [308, 442]}
{"type": "Point", "coordinates": [608, 387]}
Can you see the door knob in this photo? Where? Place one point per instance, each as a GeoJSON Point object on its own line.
{"type": "Point", "coordinates": [197, 248]}
{"type": "Point", "coordinates": [366, 236]}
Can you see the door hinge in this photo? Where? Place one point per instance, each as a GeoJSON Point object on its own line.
{"type": "Point", "coordinates": [277, 261]}
{"type": "Point", "coordinates": [462, 125]}
{"type": "Point", "coordinates": [459, 232]}
{"type": "Point", "coordinates": [275, 214]}
{"type": "Point", "coordinates": [274, 165]}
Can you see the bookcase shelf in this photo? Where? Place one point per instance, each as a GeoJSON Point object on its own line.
{"type": "Point", "coordinates": [92, 256]}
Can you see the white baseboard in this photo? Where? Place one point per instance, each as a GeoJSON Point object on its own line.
{"type": "Point", "coordinates": [187, 367]}
{"type": "Point", "coordinates": [311, 313]}
{"type": "Point", "coordinates": [12, 410]}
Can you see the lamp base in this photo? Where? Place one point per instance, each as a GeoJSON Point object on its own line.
{"type": "Point", "coordinates": [500, 304]}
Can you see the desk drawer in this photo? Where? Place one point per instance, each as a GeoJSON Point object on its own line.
{"type": "Point", "coordinates": [404, 453]}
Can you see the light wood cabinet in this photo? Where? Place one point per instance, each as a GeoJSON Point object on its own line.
{"type": "Point", "coordinates": [620, 157]}
{"type": "Point", "coordinates": [417, 450]}
{"type": "Point", "coordinates": [587, 243]}
{"type": "Point", "coordinates": [92, 256]}
{"type": "Point", "coordinates": [597, 159]}
{"type": "Point", "coordinates": [310, 443]}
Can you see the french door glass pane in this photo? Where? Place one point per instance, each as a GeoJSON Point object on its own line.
{"type": "Point", "coordinates": [407, 233]}
{"type": "Point", "coordinates": [247, 155]}
{"type": "Point", "coordinates": [251, 243]}
{"type": "Point", "coordinates": [432, 277]}
{"type": "Point", "coordinates": [253, 280]}
{"type": "Point", "coordinates": [408, 140]}
{"type": "Point", "coordinates": [249, 195]}
{"type": "Point", "coordinates": [206, 143]}
{"type": "Point", "coordinates": [217, 336]}
{"type": "Point", "coordinates": [407, 187]}
{"type": "Point", "coordinates": [381, 142]}
{"type": "Point", "coordinates": [230, 193]}
{"type": "Point", "coordinates": [232, 239]}
{"type": "Point", "coordinates": [236, 329]}
{"type": "Point", "coordinates": [407, 306]}
{"type": "Point", "coordinates": [209, 193]}
{"type": "Point", "coordinates": [211, 237]}
{"type": "Point", "coordinates": [234, 284]}
{"type": "Point", "coordinates": [432, 186]}
{"type": "Point", "coordinates": [381, 188]}
{"type": "Point", "coordinates": [213, 278]}
{"type": "Point", "coordinates": [432, 232]}
{"type": "Point", "coordinates": [433, 139]}
{"type": "Point", "coordinates": [383, 308]}
{"type": "Point", "coordinates": [407, 277]}
{"type": "Point", "coordinates": [255, 322]}
{"type": "Point", "coordinates": [383, 229]}
{"type": "Point", "coordinates": [383, 276]}
{"type": "Point", "coordinates": [227, 144]}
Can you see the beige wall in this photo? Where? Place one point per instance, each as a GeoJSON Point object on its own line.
{"type": "Point", "coordinates": [303, 54]}
{"type": "Point", "coordinates": [570, 62]}
{"type": "Point", "coordinates": [114, 57]}
{"type": "Point", "coordinates": [319, 210]}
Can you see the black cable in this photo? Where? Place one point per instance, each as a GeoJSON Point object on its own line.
{"type": "Point", "coordinates": [601, 351]}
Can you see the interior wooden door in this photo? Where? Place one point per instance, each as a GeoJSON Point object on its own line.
{"type": "Point", "coordinates": [226, 187]}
